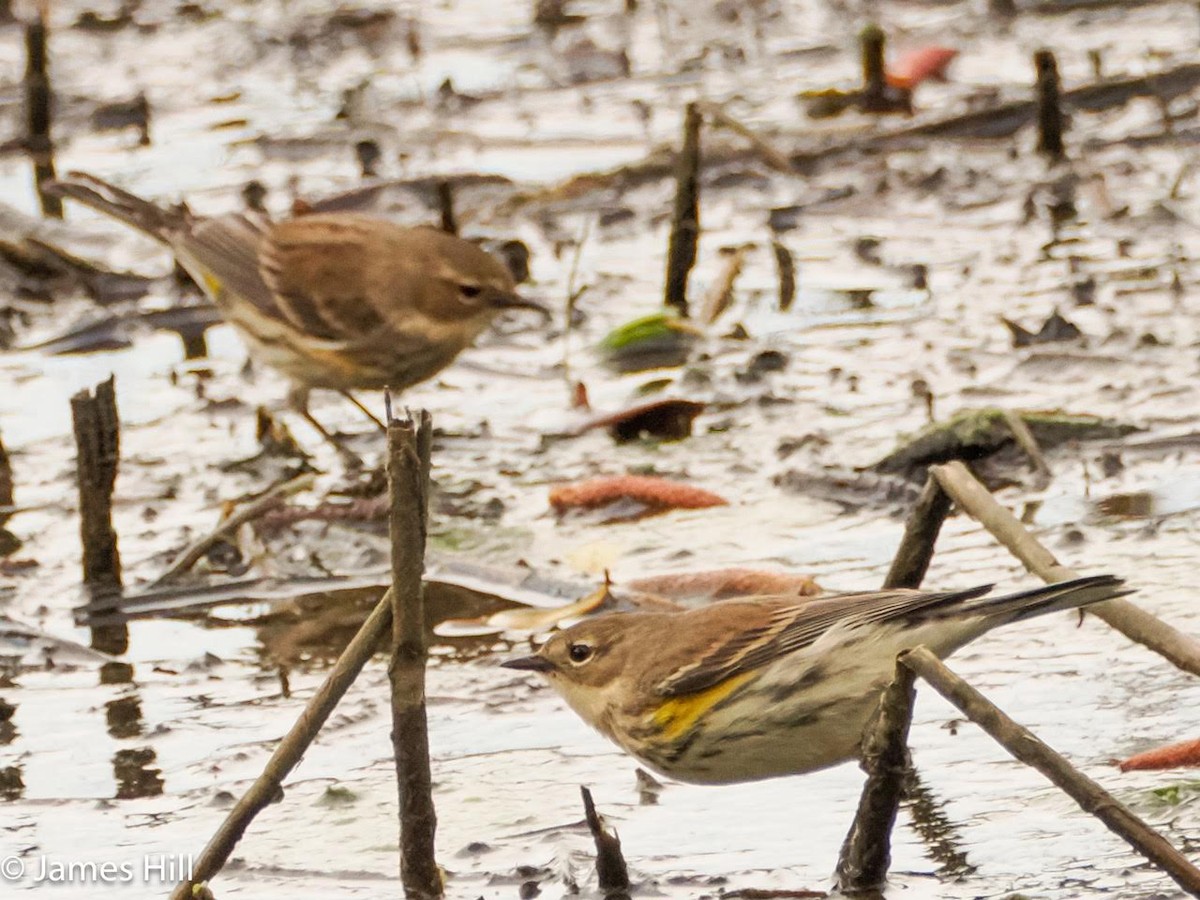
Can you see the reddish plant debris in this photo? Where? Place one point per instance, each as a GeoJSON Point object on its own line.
{"type": "Point", "coordinates": [655, 493]}
{"type": "Point", "coordinates": [920, 65]}
{"type": "Point", "coordinates": [669, 419]}
{"type": "Point", "coordinates": [579, 396]}
{"type": "Point", "coordinates": [721, 584]}
{"type": "Point", "coordinates": [1173, 756]}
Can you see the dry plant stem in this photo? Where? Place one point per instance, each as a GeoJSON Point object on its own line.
{"type": "Point", "coordinates": [39, 99]}
{"type": "Point", "coordinates": [247, 513]}
{"type": "Point", "coordinates": [866, 853]}
{"type": "Point", "coordinates": [1135, 623]}
{"type": "Point", "coordinates": [685, 223]}
{"type": "Point", "coordinates": [1025, 746]}
{"type": "Point", "coordinates": [6, 484]}
{"type": "Point", "coordinates": [612, 874]}
{"type": "Point", "coordinates": [408, 480]}
{"type": "Point", "coordinates": [720, 294]}
{"type": "Point", "coordinates": [291, 748]}
{"type": "Point", "coordinates": [774, 158]}
{"type": "Point", "coordinates": [98, 443]}
{"type": "Point", "coordinates": [786, 267]}
{"type": "Point", "coordinates": [1049, 106]}
{"type": "Point", "coordinates": [573, 295]}
{"type": "Point", "coordinates": [921, 530]}
{"type": "Point", "coordinates": [1026, 441]}
{"type": "Point", "coordinates": [874, 89]}
{"type": "Point", "coordinates": [445, 197]}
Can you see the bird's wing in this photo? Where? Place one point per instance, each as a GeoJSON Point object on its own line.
{"type": "Point", "coordinates": [324, 271]}
{"type": "Point", "coordinates": [792, 625]}
{"type": "Point", "coordinates": [222, 254]}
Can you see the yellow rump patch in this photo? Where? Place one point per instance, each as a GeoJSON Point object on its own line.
{"type": "Point", "coordinates": [677, 716]}
{"type": "Point", "coordinates": [212, 284]}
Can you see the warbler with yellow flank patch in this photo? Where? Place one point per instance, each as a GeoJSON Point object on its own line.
{"type": "Point", "coordinates": [766, 686]}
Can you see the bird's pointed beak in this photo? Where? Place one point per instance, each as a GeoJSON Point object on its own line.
{"type": "Point", "coordinates": [516, 301]}
{"type": "Point", "coordinates": [533, 663]}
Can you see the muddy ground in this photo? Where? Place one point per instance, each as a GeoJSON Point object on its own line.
{"type": "Point", "coordinates": [106, 762]}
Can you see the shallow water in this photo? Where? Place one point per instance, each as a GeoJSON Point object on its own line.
{"type": "Point", "coordinates": [207, 703]}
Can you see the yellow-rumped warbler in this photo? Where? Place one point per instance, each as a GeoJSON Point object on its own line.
{"type": "Point", "coordinates": [767, 686]}
{"type": "Point", "coordinates": [333, 300]}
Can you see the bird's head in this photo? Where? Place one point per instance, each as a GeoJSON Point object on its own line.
{"type": "Point", "coordinates": [469, 283]}
{"type": "Point", "coordinates": [585, 663]}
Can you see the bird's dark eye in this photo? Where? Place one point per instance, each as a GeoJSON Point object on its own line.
{"type": "Point", "coordinates": [470, 291]}
{"type": "Point", "coordinates": [579, 653]}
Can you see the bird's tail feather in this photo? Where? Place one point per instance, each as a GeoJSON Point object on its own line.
{"type": "Point", "coordinates": [157, 221]}
{"type": "Point", "coordinates": [1047, 599]}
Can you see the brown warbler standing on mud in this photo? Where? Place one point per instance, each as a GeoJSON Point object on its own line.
{"type": "Point", "coordinates": [765, 686]}
{"type": "Point", "coordinates": [333, 300]}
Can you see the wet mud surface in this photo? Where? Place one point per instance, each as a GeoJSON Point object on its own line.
{"type": "Point", "coordinates": [908, 262]}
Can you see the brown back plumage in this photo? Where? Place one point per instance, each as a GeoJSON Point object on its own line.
{"type": "Point", "coordinates": [334, 299]}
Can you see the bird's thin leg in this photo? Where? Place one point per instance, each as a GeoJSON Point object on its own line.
{"type": "Point", "coordinates": [298, 400]}
{"type": "Point", "coordinates": [366, 412]}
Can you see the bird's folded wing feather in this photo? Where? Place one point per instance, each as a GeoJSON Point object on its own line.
{"type": "Point", "coordinates": [793, 625]}
{"type": "Point", "coordinates": [225, 250]}
{"type": "Point", "coordinates": [324, 272]}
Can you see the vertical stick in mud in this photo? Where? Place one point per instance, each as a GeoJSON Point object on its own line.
{"type": "Point", "coordinates": [39, 99]}
{"type": "Point", "coordinates": [871, 42]}
{"type": "Point", "coordinates": [6, 483]}
{"type": "Point", "coordinates": [786, 267]}
{"type": "Point", "coordinates": [612, 875]}
{"type": "Point", "coordinates": [685, 223]}
{"type": "Point", "coordinates": [445, 199]}
{"type": "Point", "coordinates": [408, 483]}
{"type": "Point", "coordinates": [866, 853]}
{"type": "Point", "coordinates": [921, 529]}
{"type": "Point", "coordinates": [1049, 106]}
{"type": "Point", "coordinates": [97, 441]}
{"type": "Point", "coordinates": [98, 452]}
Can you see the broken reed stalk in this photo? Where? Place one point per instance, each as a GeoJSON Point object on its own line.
{"type": "Point", "coordinates": [871, 43]}
{"type": "Point", "coordinates": [445, 201]}
{"type": "Point", "coordinates": [1025, 746]}
{"type": "Point", "coordinates": [39, 100]}
{"type": "Point", "coordinates": [1135, 623]}
{"type": "Point", "coordinates": [98, 445]}
{"type": "Point", "coordinates": [786, 267]}
{"type": "Point", "coordinates": [921, 530]}
{"type": "Point", "coordinates": [1049, 106]}
{"type": "Point", "coordinates": [408, 482]}
{"type": "Point", "coordinates": [866, 853]}
{"type": "Point", "coordinates": [612, 874]}
{"type": "Point", "coordinates": [251, 511]}
{"type": "Point", "coordinates": [685, 222]}
{"type": "Point", "coordinates": [6, 485]}
{"type": "Point", "coordinates": [1026, 441]}
{"type": "Point", "coordinates": [291, 748]}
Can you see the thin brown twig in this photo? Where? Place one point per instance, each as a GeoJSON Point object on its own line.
{"type": "Point", "coordinates": [291, 748]}
{"type": "Point", "coordinates": [1029, 749]}
{"type": "Point", "coordinates": [1026, 441]}
{"type": "Point", "coordinates": [251, 511]}
{"type": "Point", "coordinates": [1135, 623]}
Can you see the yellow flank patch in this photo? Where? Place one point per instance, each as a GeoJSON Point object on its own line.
{"type": "Point", "coordinates": [212, 284]}
{"type": "Point", "coordinates": [677, 716]}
